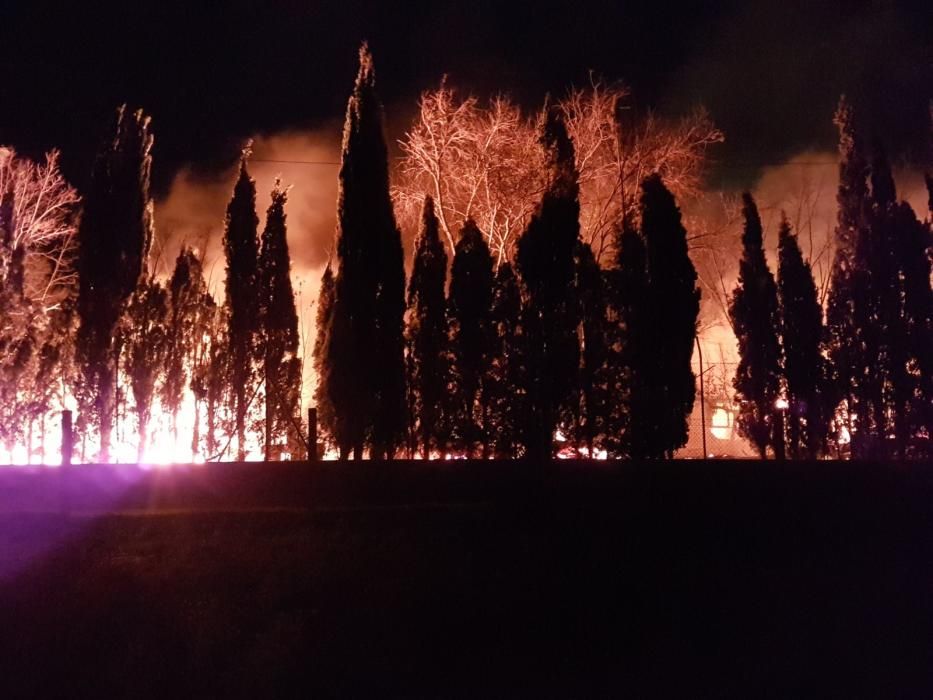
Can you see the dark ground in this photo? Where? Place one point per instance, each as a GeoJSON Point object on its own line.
{"type": "Point", "coordinates": [689, 579]}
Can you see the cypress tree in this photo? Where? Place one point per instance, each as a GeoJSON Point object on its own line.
{"type": "Point", "coordinates": [390, 423]}
{"type": "Point", "coordinates": [214, 382]}
{"type": "Point", "coordinates": [469, 306]}
{"type": "Point", "coordinates": [241, 249]}
{"type": "Point", "coordinates": [279, 329]}
{"type": "Point", "coordinates": [929, 180]}
{"type": "Point", "coordinates": [670, 335]}
{"type": "Point", "coordinates": [914, 242]}
{"type": "Point", "coordinates": [506, 371]}
{"type": "Point", "coordinates": [546, 263]}
{"type": "Point", "coordinates": [114, 237]}
{"type": "Point", "coordinates": [188, 324]}
{"type": "Point", "coordinates": [887, 335]}
{"type": "Point", "coordinates": [628, 361]}
{"type": "Point", "coordinates": [323, 319]}
{"type": "Point", "coordinates": [144, 343]}
{"type": "Point", "coordinates": [590, 406]}
{"type": "Point", "coordinates": [366, 372]}
{"type": "Point", "coordinates": [754, 313]}
{"type": "Point", "coordinates": [427, 331]}
{"type": "Point", "coordinates": [847, 310]}
{"type": "Point", "coordinates": [805, 369]}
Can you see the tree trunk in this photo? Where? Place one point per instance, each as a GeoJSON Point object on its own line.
{"type": "Point", "coordinates": [143, 418]}
{"type": "Point", "coordinates": [196, 430]}
{"type": "Point", "coordinates": [211, 431]}
{"type": "Point", "coordinates": [270, 423]}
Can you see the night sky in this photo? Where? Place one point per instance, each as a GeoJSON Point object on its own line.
{"type": "Point", "coordinates": [210, 74]}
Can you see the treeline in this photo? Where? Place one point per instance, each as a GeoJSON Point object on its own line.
{"type": "Point", "coordinates": [510, 362]}
{"type": "Point", "coordinates": [565, 336]}
{"type": "Point", "coordinates": [84, 320]}
{"type": "Point", "coordinates": [862, 382]}
{"type": "Point", "coordinates": [158, 341]}
{"type": "Point", "coordinates": [496, 361]}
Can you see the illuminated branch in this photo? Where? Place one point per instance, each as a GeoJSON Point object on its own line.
{"type": "Point", "coordinates": [484, 162]}
{"type": "Point", "coordinates": [479, 162]}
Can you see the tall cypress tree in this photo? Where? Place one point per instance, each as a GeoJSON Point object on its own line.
{"type": "Point", "coordinates": [389, 422]}
{"type": "Point", "coordinates": [506, 371]}
{"type": "Point", "coordinates": [847, 310]}
{"type": "Point", "coordinates": [628, 362]}
{"type": "Point", "coordinates": [590, 405]}
{"type": "Point", "coordinates": [323, 319]}
{"type": "Point", "coordinates": [754, 314]}
{"type": "Point", "coordinates": [279, 329]}
{"type": "Point", "coordinates": [366, 372]}
{"type": "Point", "coordinates": [212, 381]}
{"type": "Point", "coordinates": [546, 264]}
{"type": "Point", "coordinates": [113, 243]}
{"type": "Point", "coordinates": [241, 249]}
{"type": "Point", "coordinates": [915, 241]}
{"type": "Point", "coordinates": [670, 336]}
{"type": "Point", "coordinates": [189, 322]}
{"type": "Point", "coordinates": [805, 368]}
{"type": "Point", "coordinates": [469, 305]}
{"type": "Point", "coordinates": [427, 330]}
{"type": "Point", "coordinates": [891, 383]}
{"type": "Point", "coordinates": [144, 344]}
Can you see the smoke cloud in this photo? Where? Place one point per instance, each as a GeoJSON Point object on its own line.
{"type": "Point", "coordinates": [192, 214]}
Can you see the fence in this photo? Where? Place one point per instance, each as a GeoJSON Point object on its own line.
{"type": "Point", "coordinates": [712, 431]}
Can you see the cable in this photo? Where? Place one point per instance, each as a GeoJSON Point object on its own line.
{"type": "Point", "coordinates": [295, 162]}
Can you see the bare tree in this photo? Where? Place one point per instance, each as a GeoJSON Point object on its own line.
{"type": "Point", "coordinates": [476, 161]}
{"type": "Point", "coordinates": [483, 161]}
{"type": "Point", "coordinates": [43, 217]}
{"type": "Point", "coordinates": [38, 211]}
{"type": "Point", "coordinates": [616, 150]}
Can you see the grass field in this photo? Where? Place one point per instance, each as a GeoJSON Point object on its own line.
{"type": "Point", "coordinates": [689, 579]}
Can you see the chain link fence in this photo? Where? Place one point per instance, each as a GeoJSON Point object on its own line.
{"type": "Point", "coordinates": [712, 423]}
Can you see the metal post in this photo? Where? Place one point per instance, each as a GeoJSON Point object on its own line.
{"type": "Point", "coordinates": [778, 437]}
{"type": "Point", "coordinates": [702, 395]}
{"type": "Point", "coordinates": [312, 435]}
{"type": "Point", "coordinates": [67, 438]}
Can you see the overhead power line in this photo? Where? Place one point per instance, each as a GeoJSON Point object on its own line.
{"type": "Point", "coordinates": [730, 164]}
{"type": "Point", "coordinates": [294, 162]}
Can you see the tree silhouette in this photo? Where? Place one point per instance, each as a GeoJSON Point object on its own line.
{"type": "Point", "coordinates": [468, 308]}
{"type": "Point", "coordinates": [886, 338]}
{"type": "Point", "coordinates": [546, 264]}
{"type": "Point", "coordinates": [323, 319]}
{"type": "Point", "coordinates": [427, 331]}
{"type": "Point", "coordinates": [144, 344]}
{"type": "Point", "coordinates": [675, 304]}
{"type": "Point", "coordinates": [590, 405]}
{"type": "Point", "coordinates": [242, 299]}
{"type": "Point", "coordinates": [628, 361]}
{"type": "Point", "coordinates": [847, 310]}
{"type": "Point", "coordinates": [754, 313]}
{"type": "Point", "coordinates": [805, 368]}
{"type": "Point", "coordinates": [279, 330]}
{"type": "Point", "coordinates": [366, 388]}
{"type": "Point", "coordinates": [506, 376]}
{"type": "Point", "coordinates": [915, 240]}
{"type": "Point", "coordinates": [113, 243]}
{"type": "Point", "coordinates": [189, 328]}
{"type": "Point", "coordinates": [212, 381]}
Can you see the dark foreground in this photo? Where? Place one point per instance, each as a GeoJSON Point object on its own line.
{"type": "Point", "coordinates": [688, 579]}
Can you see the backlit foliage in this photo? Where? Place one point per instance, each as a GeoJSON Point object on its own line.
{"type": "Point", "coordinates": [483, 161]}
